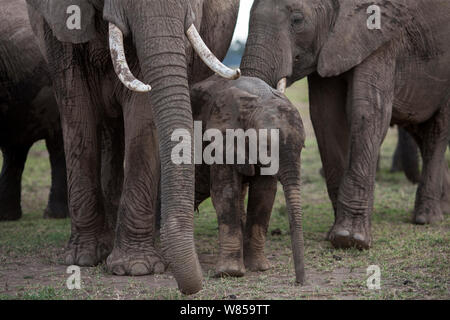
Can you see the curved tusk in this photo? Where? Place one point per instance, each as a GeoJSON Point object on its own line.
{"type": "Point", "coordinates": [208, 57]}
{"type": "Point", "coordinates": [120, 62]}
{"type": "Point", "coordinates": [281, 86]}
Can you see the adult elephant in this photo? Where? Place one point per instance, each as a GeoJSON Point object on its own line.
{"type": "Point", "coordinates": [99, 113]}
{"type": "Point", "coordinates": [28, 113]}
{"type": "Point", "coordinates": [360, 78]}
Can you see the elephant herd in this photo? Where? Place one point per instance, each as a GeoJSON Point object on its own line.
{"type": "Point", "coordinates": [69, 73]}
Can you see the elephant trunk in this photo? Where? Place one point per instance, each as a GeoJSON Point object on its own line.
{"type": "Point", "coordinates": [164, 67]}
{"type": "Point", "coordinates": [260, 60]}
{"type": "Point", "coordinates": [253, 61]}
{"type": "Point", "coordinates": [289, 177]}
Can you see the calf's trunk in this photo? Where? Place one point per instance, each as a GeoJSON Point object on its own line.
{"type": "Point", "coordinates": [289, 177]}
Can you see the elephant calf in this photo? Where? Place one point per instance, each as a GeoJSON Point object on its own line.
{"type": "Point", "coordinates": [28, 113]}
{"type": "Point", "coordinates": [247, 104]}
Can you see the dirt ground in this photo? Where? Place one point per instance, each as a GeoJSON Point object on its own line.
{"type": "Point", "coordinates": [413, 260]}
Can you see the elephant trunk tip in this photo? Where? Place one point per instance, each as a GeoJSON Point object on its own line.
{"type": "Point", "coordinates": [300, 277]}
{"type": "Point", "coordinates": [191, 284]}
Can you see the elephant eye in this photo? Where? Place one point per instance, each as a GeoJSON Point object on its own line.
{"type": "Point", "coordinates": [297, 19]}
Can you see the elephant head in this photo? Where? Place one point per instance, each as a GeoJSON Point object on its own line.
{"type": "Point", "coordinates": [294, 38]}
{"type": "Point", "coordinates": [158, 29]}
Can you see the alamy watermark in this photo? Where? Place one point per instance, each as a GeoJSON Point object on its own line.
{"type": "Point", "coordinates": [374, 279]}
{"type": "Point", "coordinates": [374, 20]}
{"type": "Point", "coordinates": [236, 142]}
{"type": "Point", "coordinates": [74, 280]}
{"type": "Point", "coordinates": [73, 22]}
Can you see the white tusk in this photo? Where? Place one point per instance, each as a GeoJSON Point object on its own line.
{"type": "Point", "coordinates": [120, 62]}
{"type": "Point", "coordinates": [208, 57]}
{"type": "Point", "coordinates": [281, 86]}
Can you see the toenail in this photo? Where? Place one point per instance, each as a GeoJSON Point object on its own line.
{"type": "Point", "coordinates": [421, 220]}
{"type": "Point", "coordinates": [343, 233]}
{"type": "Point", "coordinates": [86, 260]}
{"type": "Point", "coordinates": [118, 270]}
{"type": "Point", "coordinates": [139, 269]}
{"type": "Point", "coordinates": [358, 237]}
{"type": "Point", "coordinates": [159, 267]}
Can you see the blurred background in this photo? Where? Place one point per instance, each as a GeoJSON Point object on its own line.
{"type": "Point", "coordinates": [233, 58]}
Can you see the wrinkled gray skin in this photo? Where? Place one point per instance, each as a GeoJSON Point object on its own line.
{"type": "Point", "coordinates": [28, 113]}
{"type": "Point", "coordinates": [406, 159]}
{"type": "Point", "coordinates": [249, 103]}
{"type": "Point", "coordinates": [360, 80]}
{"type": "Point", "coordinates": [406, 156]}
{"type": "Point", "coordinates": [98, 113]}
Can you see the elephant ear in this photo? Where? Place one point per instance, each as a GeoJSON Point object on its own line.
{"type": "Point", "coordinates": [352, 41]}
{"type": "Point", "coordinates": [62, 17]}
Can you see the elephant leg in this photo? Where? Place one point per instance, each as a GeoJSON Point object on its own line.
{"type": "Point", "coordinates": [134, 252]}
{"type": "Point", "coordinates": [228, 194]}
{"type": "Point", "coordinates": [57, 202]}
{"type": "Point", "coordinates": [262, 191]}
{"type": "Point", "coordinates": [79, 104]}
{"type": "Point", "coordinates": [397, 158]}
{"type": "Point", "coordinates": [445, 199]}
{"type": "Point", "coordinates": [328, 116]}
{"type": "Point", "coordinates": [14, 158]}
{"type": "Point", "coordinates": [202, 183]}
{"type": "Point", "coordinates": [409, 156]}
{"type": "Point", "coordinates": [369, 112]}
{"type": "Point", "coordinates": [112, 168]}
{"type": "Point", "coordinates": [431, 137]}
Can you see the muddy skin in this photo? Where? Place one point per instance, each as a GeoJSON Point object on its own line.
{"type": "Point", "coordinates": [249, 103]}
{"type": "Point", "coordinates": [106, 125]}
{"type": "Point", "coordinates": [28, 113]}
{"type": "Point", "coordinates": [360, 82]}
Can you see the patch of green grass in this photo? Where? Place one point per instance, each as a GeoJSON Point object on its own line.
{"type": "Point", "coordinates": [298, 92]}
{"type": "Point", "coordinates": [39, 293]}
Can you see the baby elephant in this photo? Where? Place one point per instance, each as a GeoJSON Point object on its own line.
{"type": "Point", "coordinates": [250, 106]}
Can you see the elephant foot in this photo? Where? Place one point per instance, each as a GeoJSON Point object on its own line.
{"type": "Point", "coordinates": [428, 212]}
{"type": "Point", "coordinates": [88, 252]}
{"type": "Point", "coordinates": [140, 263]}
{"type": "Point", "coordinates": [445, 204]}
{"type": "Point", "coordinates": [230, 267]}
{"type": "Point", "coordinates": [256, 262]}
{"type": "Point", "coordinates": [10, 213]}
{"type": "Point", "coordinates": [351, 232]}
{"type": "Point", "coordinates": [56, 210]}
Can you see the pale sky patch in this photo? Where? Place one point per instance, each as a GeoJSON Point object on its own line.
{"type": "Point", "coordinates": [241, 31]}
